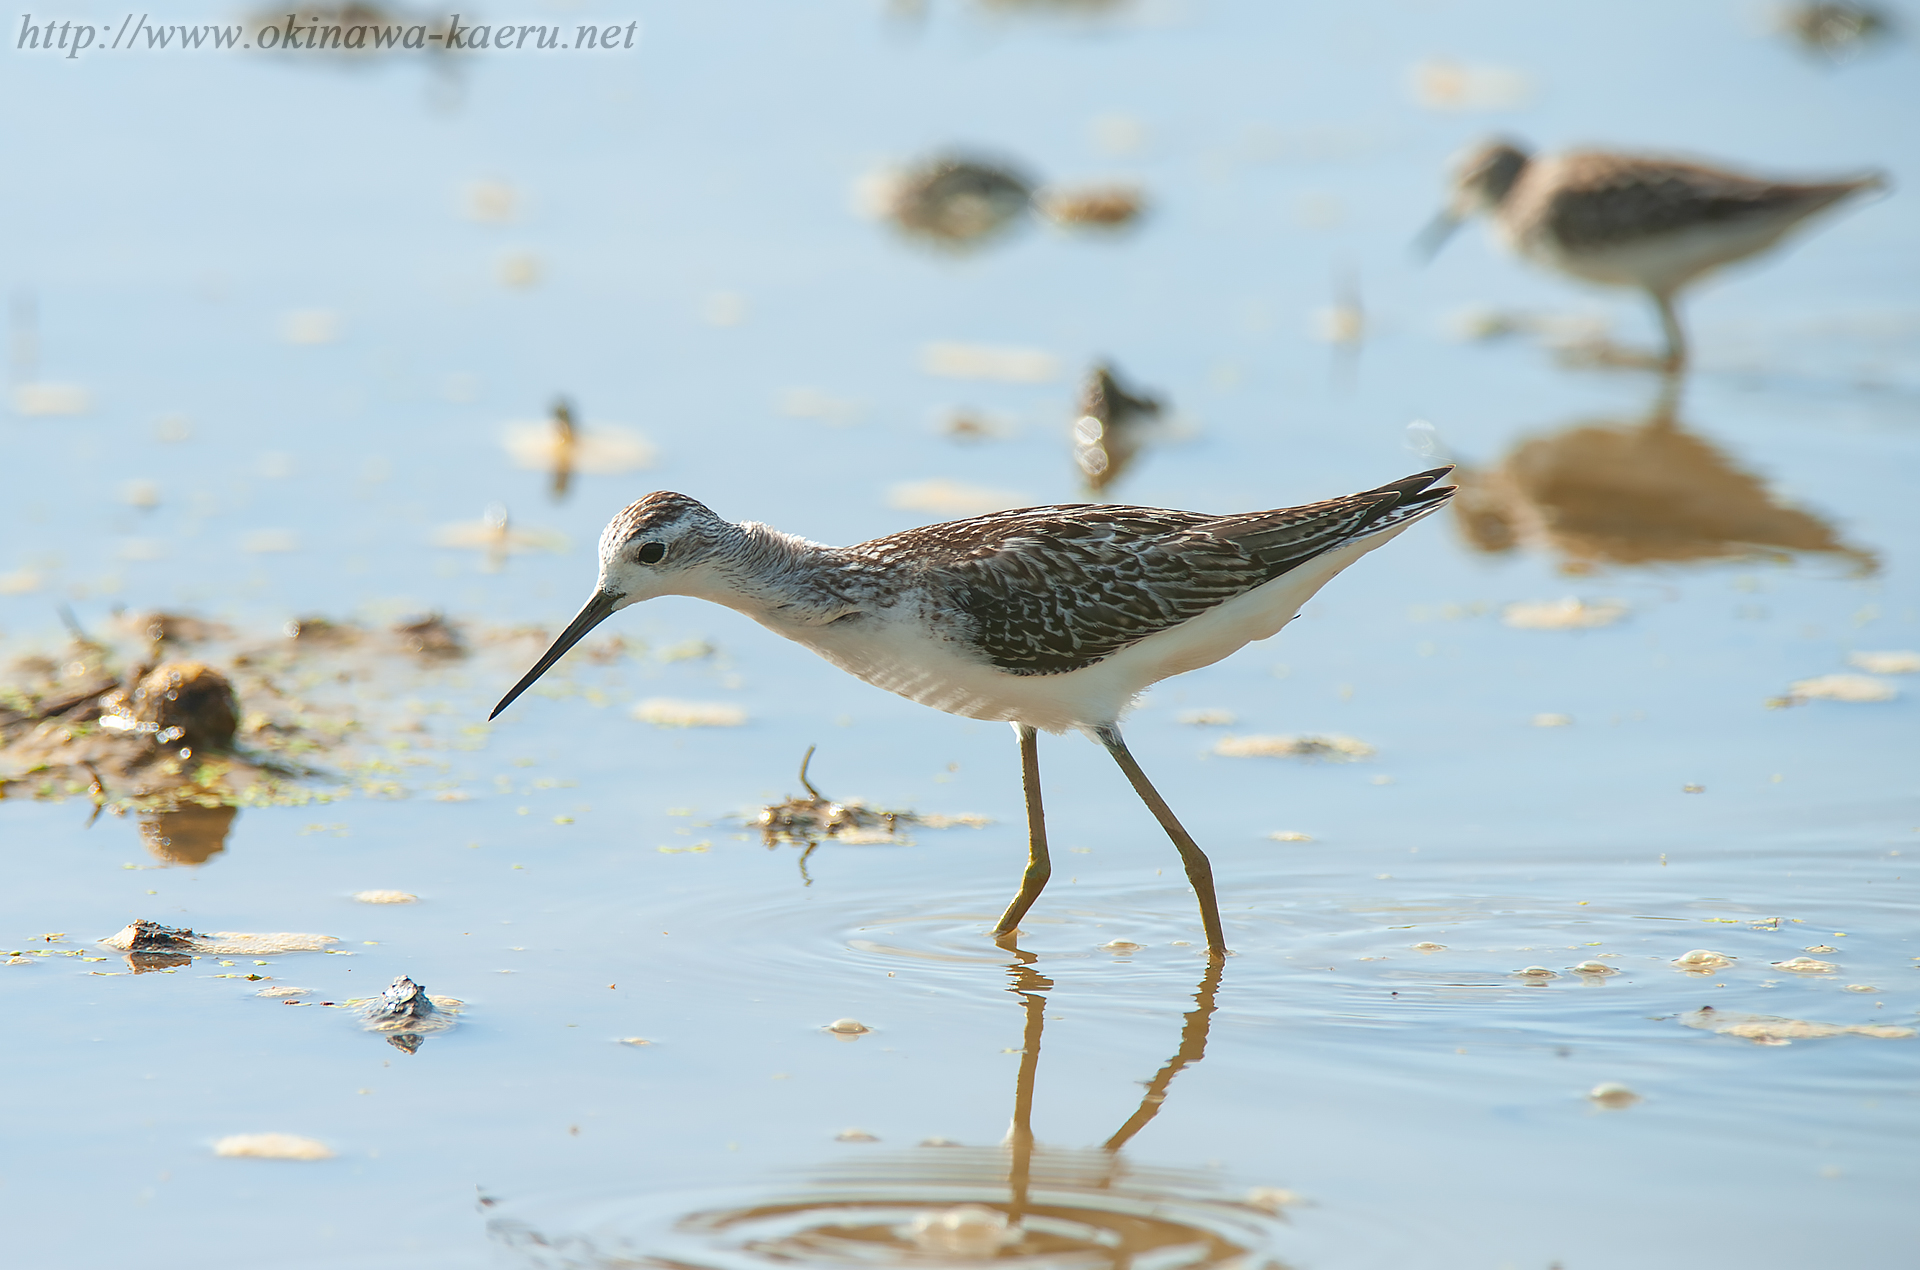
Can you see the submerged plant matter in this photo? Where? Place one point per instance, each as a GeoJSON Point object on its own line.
{"type": "Point", "coordinates": [806, 822]}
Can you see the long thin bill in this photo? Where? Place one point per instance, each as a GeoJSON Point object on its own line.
{"type": "Point", "coordinates": [1435, 235]}
{"type": "Point", "coordinates": [597, 610]}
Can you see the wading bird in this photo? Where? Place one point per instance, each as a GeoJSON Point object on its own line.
{"type": "Point", "coordinates": [1048, 618]}
{"type": "Point", "coordinates": [1628, 220]}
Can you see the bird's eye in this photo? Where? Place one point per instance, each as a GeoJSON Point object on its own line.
{"type": "Point", "coordinates": [651, 553]}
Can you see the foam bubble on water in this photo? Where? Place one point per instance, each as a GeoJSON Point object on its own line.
{"type": "Point", "coordinates": [1567, 614]}
{"type": "Point", "coordinates": [1613, 1096]}
{"type": "Point", "coordinates": [272, 1146]}
{"type": "Point", "coordinates": [665, 712]}
{"type": "Point", "coordinates": [1901, 662]}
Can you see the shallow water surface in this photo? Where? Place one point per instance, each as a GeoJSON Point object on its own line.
{"type": "Point", "coordinates": [319, 317]}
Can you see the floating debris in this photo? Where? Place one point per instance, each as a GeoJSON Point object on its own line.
{"type": "Point", "coordinates": [811, 403]}
{"type": "Point", "coordinates": [43, 400]}
{"type": "Point", "coordinates": [272, 1146]}
{"type": "Point", "coordinates": [807, 822]}
{"type": "Point", "coordinates": [1835, 32]}
{"type": "Point", "coordinates": [1112, 426]}
{"type": "Point", "coordinates": [952, 498]}
{"type": "Point", "coordinates": [1207, 718]}
{"type": "Point", "coordinates": [1806, 966]}
{"type": "Point", "coordinates": [1552, 720]}
{"type": "Point", "coordinates": [386, 897]}
{"type": "Point", "coordinates": [1535, 972]}
{"type": "Point", "coordinates": [1288, 835]}
{"type": "Point", "coordinates": [1563, 615]}
{"type": "Point", "coordinates": [1820, 948]}
{"type": "Point", "coordinates": [283, 993]}
{"type": "Point", "coordinates": [1273, 1200]}
{"type": "Point", "coordinates": [310, 326]}
{"type": "Point", "coordinates": [1613, 1096]}
{"type": "Point", "coordinates": [636, 1041]}
{"type": "Point", "coordinates": [406, 1014]}
{"type": "Point", "coordinates": [147, 936]}
{"type": "Point", "coordinates": [1107, 207]}
{"type": "Point", "coordinates": [667, 712]}
{"type": "Point", "coordinates": [1768, 1029]}
{"type": "Point", "coordinates": [1858, 689]}
{"type": "Point", "coordinates": [1121, 946]}
{"type": "Point", "coordinates": [975, 425]}
{"type": "Point", "coordinates": [1901, 662]}
{"type": "Point", "coordinates": [489, 202]}
{"type": "Point", "coordinates": [949, 360]}
{"type": "Point", "coordinates": [951, 201]}
{"type": "Point", "coordinates": [1703, 961]}
{"type": "Point", "coordinates": [1446, 85]}
{"type": "Point", "coordinates": [972, 1232]}
{"type": "Point", "coordinates": [848, 1027]}
{"type": "Point", "coordinates": [1334, 749]}
{"type": "Point", "coordinates": [1427, 946]}
{"type": "Point", "coordinates": [495, 535]}
{"type": "Point", "coordinates": [1597, 968]}
{"type": "Point", "coordinates": [854, 1135]}
{"type": "Point", "coordinates": [1860, 987]}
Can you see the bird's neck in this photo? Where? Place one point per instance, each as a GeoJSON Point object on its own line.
{"type": "Point", "coordinates": [775, 578]}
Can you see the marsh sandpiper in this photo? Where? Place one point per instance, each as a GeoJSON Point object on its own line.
{"type": "Point", "coordinates": [1048, 618]}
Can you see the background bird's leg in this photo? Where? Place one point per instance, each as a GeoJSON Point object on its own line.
{"type": "Point", "coordinates": [1676, 358]}
{"type": "Point", "coordinates": [1039, 865]}
{"type": "Point", "coordinates": [1199, 870]}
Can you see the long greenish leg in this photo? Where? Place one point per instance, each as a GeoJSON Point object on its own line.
{"type": "Point", "coordinates": [1039, 866]}
{"type": "Point", "coordinates": [1199, 869]}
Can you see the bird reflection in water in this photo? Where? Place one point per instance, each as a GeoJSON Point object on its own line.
{"type": "Point", "coordinates": [1017, 1204]}
{"type": "Point", "coordinates": [1644, 492]}
{"type": "Point", "coordinates": [1112, 426]}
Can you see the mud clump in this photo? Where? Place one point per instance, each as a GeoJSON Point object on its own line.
{"type": "Point", "coordinates": [318, 632]}
{"type": "Point", "coordinates": [115, 742]}
{"type": "Point", "coordinates": [147, 936]}
{"type": "Point", "coordinates": [173, 628]}
{"type": "Point", "coordinates": [406, 1014]}
{"type": "Point", "coordinates": [185, 701]}
{"type": "Point", "coordinates": [432, 637]}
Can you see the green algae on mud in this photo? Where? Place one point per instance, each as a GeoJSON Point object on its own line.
{"type": "Point", "coordinates": [312, 714]}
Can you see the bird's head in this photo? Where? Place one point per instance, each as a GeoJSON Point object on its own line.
{"type": "Point", "coordinates": [1481, 180]}
{"type": "Point", "coordinates": [664, 544]}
